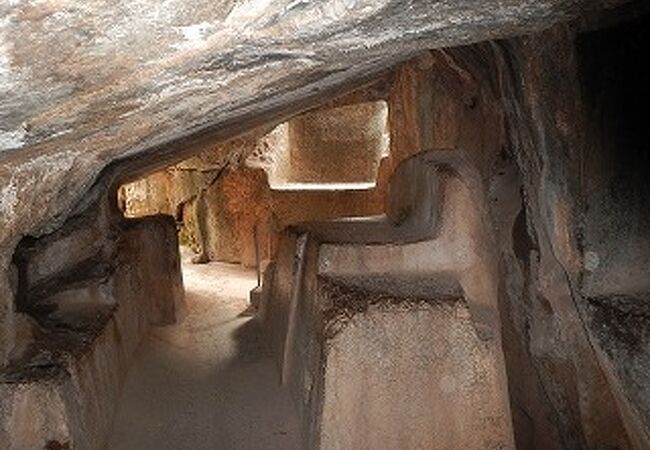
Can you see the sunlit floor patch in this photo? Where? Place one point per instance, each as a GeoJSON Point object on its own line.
{"type": "Point", "coordinates": [208, 382]}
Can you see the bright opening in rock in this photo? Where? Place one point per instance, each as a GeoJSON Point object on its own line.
{"type": "Point", "coordinates": [337, 148]}
{"type": "Point", "coordinates": [232, 201]}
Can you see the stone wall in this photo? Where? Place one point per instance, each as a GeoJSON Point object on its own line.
{"type": "Point", "coordinates": [85, 297]}
{"type": "Point", "coordinates": [515, 107]}
{"type": "Point", "coordinates": [343, 144]}
{"type": "Point", "coordinates": [349, 303]}
{"type": "Point", "coordinates": [270, 181]}
{"type": "Point", "coordinates": [545, 109]}
{"type": "Point", "coordinates": [408, 373]}
{"type": "Point", "coordinates": [615, 226]}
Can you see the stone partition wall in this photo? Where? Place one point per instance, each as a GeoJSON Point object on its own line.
{"type": "Point", "coordinates": [271, 179]}
{"type": "Point", "coordinates": [85, 297]}
{"type": "Point", "coordinates": [406, 373]}
{"type": "Point", "coordinates": [386, 330]}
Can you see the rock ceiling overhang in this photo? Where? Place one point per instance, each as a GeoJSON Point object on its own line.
{"type": "Point", "coordinates": [86, 82]}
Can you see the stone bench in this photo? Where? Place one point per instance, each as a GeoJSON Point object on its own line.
{"type": "Point", "coordinates": [386, 330]}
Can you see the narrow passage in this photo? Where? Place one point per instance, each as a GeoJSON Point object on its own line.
{"type": "Point", "coordinates": [208, 382]}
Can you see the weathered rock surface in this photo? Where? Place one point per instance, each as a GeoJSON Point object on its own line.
{"type": "Point", "coordinates": [84, 314]}
{"type": "Point", "coordinates": [124, 88]}
{"type": "Point", "coordinates": [356, 353]}
{"type": "Point", "coordinates": [86, 84]}
{"type": "Point", "coordinates": [547, 101]}
{"type": "Point", "coordinates": [406, 355]}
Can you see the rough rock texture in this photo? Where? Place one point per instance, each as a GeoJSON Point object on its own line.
{"type": "Point", "coordinates": [236, 209]}
{"type": "Point", "coordinates": [324, 166]}
{"type": "Point", "coordinates": [418, 371]}
{"type": "Point", "coordinates": [338, 145]}
{"type": "Point", "coordinates": [433, 243]}
{"type": "Point", "coordinates": [84, 85]}
{"type": "Point", "coordinates": [152, 248]}
{"type": "Point", "coordinates": [548, 125]}
{"type": "Point", "coordinates": [84, 313]}
{"type": "Point", "coordinates": [98, 94]}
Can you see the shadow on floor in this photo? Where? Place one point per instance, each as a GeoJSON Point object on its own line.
{"type": "Point", "coordinates": [208, 382]}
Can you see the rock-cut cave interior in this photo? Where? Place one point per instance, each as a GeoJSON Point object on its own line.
{"type": "Point", "coordinates": [324, 225]}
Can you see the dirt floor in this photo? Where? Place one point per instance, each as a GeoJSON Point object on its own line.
{"type": "Point", "coordinates": [208, 382]}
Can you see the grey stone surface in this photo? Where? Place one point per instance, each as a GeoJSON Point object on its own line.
{"type": "Point", "coordinates": [84, 83]}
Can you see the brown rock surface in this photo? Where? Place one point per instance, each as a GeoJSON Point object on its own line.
{"type": "Point", "coordinates": [87, 318]}
{"type": "Point", "coordinates": [94, 95]}
{"type": "Point", "coordinates": [84, 86]}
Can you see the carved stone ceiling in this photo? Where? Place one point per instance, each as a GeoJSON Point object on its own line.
{"type": "Point", "coordinates": [86, 82]}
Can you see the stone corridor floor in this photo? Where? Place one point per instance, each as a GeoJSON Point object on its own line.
{"type": "Point", "coordinates": [208, 382]}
